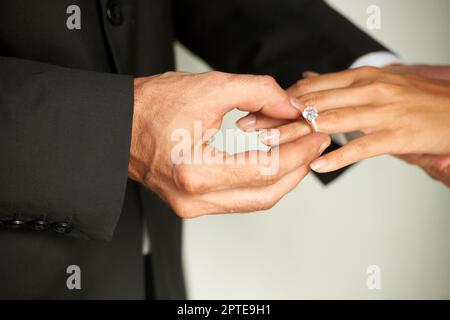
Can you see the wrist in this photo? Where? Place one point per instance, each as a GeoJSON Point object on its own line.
{"type": "Point", "coordinates": [137, 163]}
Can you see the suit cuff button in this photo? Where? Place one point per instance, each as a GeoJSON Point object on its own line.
{"type": "Point", "coordinates": [39, 225]}
{"type": "Point", "coordinates": [15, 224]}
{"type": "Point", "coordinates": [62, 227]}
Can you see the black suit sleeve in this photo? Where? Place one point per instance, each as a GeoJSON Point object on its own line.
{"type": "Point", "coordinates": [281, 38]}
{"type": "Point", "coordinates": [64, 146]}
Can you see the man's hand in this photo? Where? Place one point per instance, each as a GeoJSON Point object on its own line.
{"type": "Point", "coordinates": [168, 103]}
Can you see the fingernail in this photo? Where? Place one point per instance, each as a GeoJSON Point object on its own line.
{"type": "Point", "coordinates": [269, 137]}
{"type": "Point", "coordinates": [323, 147]}
{"type": "Point", "coordinates": [296, 103]}
{"type": "Point", "coordinates": [319, 165]}
{"type": "Point", "coordinates": [309, 74]}
{"type": "Point", "coordinates": [247, 123]}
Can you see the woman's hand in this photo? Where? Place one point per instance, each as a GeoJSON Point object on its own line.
{"type": "Point", "coordinates": [398, 113]}
{"type": "Point", "coordinates": [424, 70]}
{"type": "Point", "coordinates": [437, 167]}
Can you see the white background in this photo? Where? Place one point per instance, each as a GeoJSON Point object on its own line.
{"type": "Point", "coordinates": [318, 241]}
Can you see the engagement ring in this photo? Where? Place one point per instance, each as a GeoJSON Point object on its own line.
{"type": "Point", "coordinates": [310, 114]}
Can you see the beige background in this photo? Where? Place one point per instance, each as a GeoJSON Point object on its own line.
{"type": "Point", "coordinates": [318, 241]}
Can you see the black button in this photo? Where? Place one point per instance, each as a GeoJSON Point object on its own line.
{"type": "Point", "coordinates": [114, 13]}
{"type": "Point", "coordinates": [62, 227]}
{"type": "Point", "coordinates": [39, 225]}
{"type": "Point", "coordinates": [15, 224]}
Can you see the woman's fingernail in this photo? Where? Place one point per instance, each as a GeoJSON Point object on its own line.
{"type": "Point", "coordinates": [323, 147]}
{"type": "Point", "coordinates": [270, 137]}
{"type": "Point", "coordinates": [319, 165]}
{"type": "Point", "coordinates": [310, 74]}
{"type": "Point", "coordinates": [296, 103]}
{"type": "Point", "coordinates": [247, 123]}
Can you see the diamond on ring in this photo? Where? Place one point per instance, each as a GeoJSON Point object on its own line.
{"type": "Point", "coordinates": [311, 114]}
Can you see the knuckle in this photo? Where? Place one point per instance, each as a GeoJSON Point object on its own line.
{"type": "Point", "coordinates": [368, 70]}
{"type": "Point", "coordinates": [397, 137]}
{"type": "Point", "coordinates": [337, 157]}
{"type": "Point", "coordinates": [269, 179]}
{"type": "Point", "coordinates": [258, 204]}
{"type": "Point", "coordinates": [309, 99]}
{"type": "Point", "coordinates": [268, 83]}
{"type": "Point", "coordinates": [381, 88]}
{"type": "Point", "coordinates": [186, 207]}
{"type": "Point", "coordinates": [268, 80]}
{"type": "Point", "coordinates": [215, 74]}
{"type": "Point", "coordinates": [216, 77]}
{"type": "Point", "coordinates": [302, 86]}
{"type": "Point", "coordinates": [361, 147]}
{"type": "Point", "coordinates": [186, 180]}
{"type": "Point", "coordinates": [331, 117]}
{"type": "Point", "coordinates": [168, 74]}
{"type": "Point", "coordinates": [182, 210]}
{"type": "Point", "coordinates": [265, 201]}
{"type": "Point", "coordinates": [270, 201]}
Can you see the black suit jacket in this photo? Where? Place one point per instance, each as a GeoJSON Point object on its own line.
{"type": "Point", "coordinates": [66, 105]}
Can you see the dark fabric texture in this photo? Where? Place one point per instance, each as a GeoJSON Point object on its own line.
{"type": "Point", "coordinates": [66, 105]}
